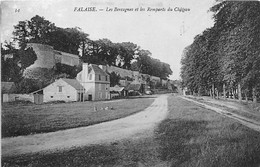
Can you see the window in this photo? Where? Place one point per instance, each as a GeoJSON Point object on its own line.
{"type": "Point", "coordinates": [51, 96]}
{"type": "Point", "coordinates": [68, 96]}
{"type": "Point", "coordinates": [90, 76]}
{"type": "Point", "coordinates": [99, 86]}
{"type": "Point", "coordinates": [99, 76]}
{"type": "Point", "coordinates": [106, 78]}
{"type": "Point", "coordinates": [60, 88]}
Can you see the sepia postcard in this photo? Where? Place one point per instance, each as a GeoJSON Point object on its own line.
{"type": "Point", "coordinates": [130, 83]}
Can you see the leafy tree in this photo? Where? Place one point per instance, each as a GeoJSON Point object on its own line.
{"type": "Point", "coordinates": [126, 54]}
{"type": "Point", "coordinates": [36, 30]}
{"type": "Point", "coordinates": [147, 65]}
{"type": "Point", "coordinates": [14, 66]}
{"type": "Point", "coordinates": [227, 53]}
{"type": "Point", "coordinates": [28, 85]}
{"type": "Point", "coordinates": [114, 79]}
{"type": "Point", "coordinates": [68, 40]}
{"type": "Point", "coordinates": [71, 71]}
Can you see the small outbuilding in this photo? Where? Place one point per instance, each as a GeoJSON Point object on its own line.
{"type": "Point", "coordinates": [63, 90]}
{"type": "Point", "coordinates": [117, 91]}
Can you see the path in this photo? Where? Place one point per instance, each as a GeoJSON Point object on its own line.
{"type": "Point", "coordinates": [245, 121]}
{"type": "Point", "coordinates": [142, 122]}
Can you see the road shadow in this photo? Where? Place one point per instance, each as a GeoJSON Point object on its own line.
{"type": "Point", "coordinates": [177, 139]}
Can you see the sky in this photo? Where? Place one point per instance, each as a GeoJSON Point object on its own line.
{"type": "Point", "coordinates": [164, 33]}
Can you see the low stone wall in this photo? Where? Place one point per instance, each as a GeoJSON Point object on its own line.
{"type": "Point", "coordinates": [18, 97]}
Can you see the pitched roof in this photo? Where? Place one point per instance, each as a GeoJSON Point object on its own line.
{"type": "Point", "coordinates": [116, 88]}
{"type": "Point", "coordinates": [97, 70]}
{"type": "Point", "coordinates": [7, 87]}
{"type": "Point", "coordinates": [74, 83]}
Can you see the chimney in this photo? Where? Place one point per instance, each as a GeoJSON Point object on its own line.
{"type": "Point", "coordinates": [103, 67]}
{"type": "Point", "coordinates": [84, 72]}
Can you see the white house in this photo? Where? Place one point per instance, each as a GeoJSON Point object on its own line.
{"type": "Point", "coordinates": [95, 81]}
{"type": "Point", "coordinates": [63, 90]}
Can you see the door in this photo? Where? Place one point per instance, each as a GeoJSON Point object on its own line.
{"type": "Point", "coordinates": [90, 97]}
{"type": "Point", "coordinates": [38, 98]}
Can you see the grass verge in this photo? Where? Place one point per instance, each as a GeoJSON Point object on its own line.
{"type": "Point", "coordinates": [28, 119]}
{"type": "Point", "coordinates": [243, 109]}
{"type": "Point", "coordinates": [194, 136]}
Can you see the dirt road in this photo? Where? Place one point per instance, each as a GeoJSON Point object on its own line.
{"type": "Point", "coordinates": [133, 126]}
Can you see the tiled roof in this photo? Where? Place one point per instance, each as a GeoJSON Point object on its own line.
{"type": "Point", "coordinates": [98, 70]}
{"type": "Point", "coordinates": [74, 83]}
{"type": "Point", "coordinates": [7, 87]}
{"type": "Point", "coordinates": [116, 88]}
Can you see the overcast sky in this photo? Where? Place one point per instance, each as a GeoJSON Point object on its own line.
{"type": "Point", "coordinates": [163, 33]}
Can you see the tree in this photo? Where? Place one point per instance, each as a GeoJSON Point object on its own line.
{"type": "Point", "coordinates": [68, 40]}
{"type": "Point", "coordinates": [227, 53]}
{"type": "Point", "coordinates": [36, 30]}
{"type": "Point", "coordinates": [114, 79]}
{"type": "Point", "coordinates": [147, 65]}
{"type": "Point", "coordinates": [40, 30]}
{"type": "Point", "coordinates": [13, 67]}
{"type": "Point", "coordinates": [126, 54]}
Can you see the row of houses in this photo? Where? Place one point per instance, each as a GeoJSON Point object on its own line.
{"type": "Point", "coordinates": [92, 83]}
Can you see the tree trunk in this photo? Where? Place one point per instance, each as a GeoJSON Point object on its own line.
{"type": "Point", "coordinates": [210, 93]}
{"type": "Point", "coordinates": [254, 94]}
{"type": "Point", "coordinates": [239, 92]}
{"type": "Point", "coordinates": [233, 93]}
{"type": "Point", "coordinates": [217, 94]}
{"type": "Point", "coordinates": [213, 91]}
{"type": "Point", "coordinates": [246, 97]}
{"type": "Point", "coordinates": [246, 94]}
{"type": "Point", "coordinates": [224, 91]}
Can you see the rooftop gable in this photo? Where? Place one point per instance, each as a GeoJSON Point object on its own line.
{"type": "Point", "coordinates": [74, 83]}
{"type": "Point", "coordinates": [95, 68]}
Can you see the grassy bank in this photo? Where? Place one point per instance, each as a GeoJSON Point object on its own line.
{"type": "Point", "coordinates": [190, 136]}
{"type": "Point", "coordinates": [194, 136]}
{"type": "Point", "coordinates": [24, 119]}
{"type": "Point", "coordinates": [248, 110]}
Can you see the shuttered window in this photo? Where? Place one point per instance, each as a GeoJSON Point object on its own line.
{"type": "Point", "coordinates": [60, 88]}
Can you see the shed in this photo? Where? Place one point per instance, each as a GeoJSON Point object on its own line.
{"type": "Point", "coordinates": [63, 90]}
{"type": "Point", "coordinates": [118, 90]}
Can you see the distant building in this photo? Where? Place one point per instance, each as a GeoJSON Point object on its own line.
{"type": "Point", "coordinates": [8, 93]}
{"type": "Point", "coordinates": [124, 82]}
{"type": "Point", "coordinates": [117, 91]}
{"type": "Point", "coordinates": [7, 88]}
{"type": "Point", "coordinates": [136, 86]}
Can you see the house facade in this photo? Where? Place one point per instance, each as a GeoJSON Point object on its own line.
{"type": "Point", "coordinates": [95, 81]}
{"type": "Point", "coordinates": [63, 90]}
